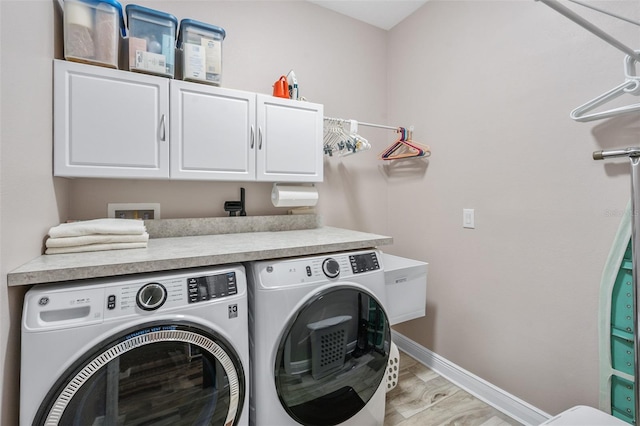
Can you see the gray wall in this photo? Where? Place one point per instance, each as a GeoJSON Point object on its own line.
{"type": "Point", "coordinates": [487, 84]}
{"type": "Point", "coordinates": [31, 200]}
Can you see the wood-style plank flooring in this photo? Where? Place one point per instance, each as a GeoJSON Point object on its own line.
{"type": "Point", "coordinates": [423, 398]}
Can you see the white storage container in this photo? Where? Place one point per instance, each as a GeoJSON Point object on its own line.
{"type": "Point", "coordinates": [92, 31]}
{"type": "Point", "coordinates": [200, 47]}
{"type": "Point", "coordinates": [152, 40]}
{"type": "Point", "coordinates": [406, 283]}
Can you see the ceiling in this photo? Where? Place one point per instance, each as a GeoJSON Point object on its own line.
{"type": "Point", "coordinates": [384, 14]}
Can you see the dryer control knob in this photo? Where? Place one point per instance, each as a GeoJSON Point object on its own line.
{"type": "Point", "coordinates": [330, 267]}
{"type": "Point", "coordinates": [151, 296]}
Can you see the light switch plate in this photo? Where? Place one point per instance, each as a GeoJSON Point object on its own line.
{"type": "Point", "coordinates": [145, 211]}
{"type": "Point", "coordinates": [468, 218]}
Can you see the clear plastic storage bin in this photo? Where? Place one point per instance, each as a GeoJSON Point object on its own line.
{"type": "Point", "coordinates": [92, 31]}
{"type": "Point", "coordinates": [200, 48]}
{"type": "Point", "coordinates": [152, 40]}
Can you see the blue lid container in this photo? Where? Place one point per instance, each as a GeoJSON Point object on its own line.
{"type": "Point", "coordinates": [92, 31]}
{"type": "Point", "coordinates": [200, 45]}
{"type": "Point", "coordinates": [152, 40]}
{"type": "Point", "coordinates": [194, 25]}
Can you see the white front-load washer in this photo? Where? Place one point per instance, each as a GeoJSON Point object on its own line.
{"type": "Point", "coordinates": [155, 349]}
{"type": "Point", "coordinates": [319, 340]}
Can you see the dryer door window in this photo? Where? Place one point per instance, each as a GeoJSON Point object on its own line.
{"type": "Point", "coordinates": [156, 374]}
{"type": "Point", "coordinates": [332, 356]}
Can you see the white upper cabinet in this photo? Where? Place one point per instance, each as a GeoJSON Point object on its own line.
{"type": "Point", "coordinates": [289, 140]}
{"type": "Point", "coordinates": [119, 124]}
{"type": "Point", "coordinates": [224, 134]}
{"type": "Point", "coordinates": [109, 123]}
{"type": "Point", "coordinates": [212, 133]}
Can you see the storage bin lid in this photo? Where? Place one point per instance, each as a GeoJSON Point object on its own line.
{"type": "Point", "coordinates": [132, 8]}
{"type": "Point", "coordinates": [113, 3]}
{"type": "Point", "coordinates": [199, 25]}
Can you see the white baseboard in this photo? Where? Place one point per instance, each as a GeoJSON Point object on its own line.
{"type": "Point", "coordinates": [510, 405]}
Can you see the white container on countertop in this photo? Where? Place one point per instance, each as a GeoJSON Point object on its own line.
{"type": "Point", "coordinates": [200, 48]}
{"type": "Point", "coordinates": [93, 30]}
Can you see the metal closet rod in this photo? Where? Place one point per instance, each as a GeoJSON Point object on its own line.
{"type": "Point", "coordinates": [554, 4]}
{"type": "Point", "coordinates": [360, 123]}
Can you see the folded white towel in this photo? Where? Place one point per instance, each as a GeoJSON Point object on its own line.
{"type": "Point", "coordinates": [98, 226]}
{"type": "Point", "coordinates": [85, 240]}
{"type": "Point", "coordinates": [95, 247]}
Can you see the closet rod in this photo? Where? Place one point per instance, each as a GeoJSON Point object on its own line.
{"type": "Point", "coordinates": [380, 126]}
{"type": "Point", "coordinates": [554, 4]}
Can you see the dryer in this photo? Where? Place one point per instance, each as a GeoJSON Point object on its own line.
{"type": "Point", "coordinates": [161, 349]}
{"type": "Point", "coordinates": [319, 340]}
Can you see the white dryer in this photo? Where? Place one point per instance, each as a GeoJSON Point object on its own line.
{"type": "Point", "coordinates": [319, 340]}
{"type": "Point", "coordinates": [162, 349]}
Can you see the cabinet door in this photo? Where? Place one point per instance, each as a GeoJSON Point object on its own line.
{"type": "Point", "coordinates": [212, 133]}
{"type": "Point", "coordinates": [109, 123]}
{"type": "Point", "coordinates": [289, 140]}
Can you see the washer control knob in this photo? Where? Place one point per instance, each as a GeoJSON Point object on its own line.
{"type": "Point", "coordinates": [151, 296]}
{"type": "Point", "coordinates": [330, 267]}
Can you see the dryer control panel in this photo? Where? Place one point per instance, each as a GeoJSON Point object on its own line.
{"type": "Point", "coordinates": [333, 267]}
{"type": "Point", "coordinates": [364, 262]}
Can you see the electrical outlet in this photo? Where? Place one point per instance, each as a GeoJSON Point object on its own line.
{"type": "Point", "coordinates": [145, 211]}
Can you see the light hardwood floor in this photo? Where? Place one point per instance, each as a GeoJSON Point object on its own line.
{"type": "Point", "coordinates": [423, 398]}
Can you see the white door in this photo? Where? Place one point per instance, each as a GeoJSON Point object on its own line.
{"type": "Point", "coordinates": [156, 373]}
{"type": "Point", "coordinates": [332, 356]}
{"type": "Point", "coordinates": [213, 133]}
{"type": "Point", "coordinates": [109, 123]}
{"type": "Point", "coordinates": [289, 140]}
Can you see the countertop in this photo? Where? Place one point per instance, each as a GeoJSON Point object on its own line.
{"type": "Point", "coordinates": [257, 238]}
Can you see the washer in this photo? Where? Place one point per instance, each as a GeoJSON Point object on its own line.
{"type": "Point", "coordinates": [162, 349]}
{"type": "Point", "coordinates": [319, 340]}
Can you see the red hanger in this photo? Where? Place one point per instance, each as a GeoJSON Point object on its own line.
{"type": "Point", "coordinates": [404, 147]}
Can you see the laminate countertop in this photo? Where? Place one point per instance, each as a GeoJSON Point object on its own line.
{"type": "Point", "coordinates": [258, 240]}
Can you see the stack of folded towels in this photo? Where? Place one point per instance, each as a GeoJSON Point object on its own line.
{"type": "Point", "coordinates": [97, 235]}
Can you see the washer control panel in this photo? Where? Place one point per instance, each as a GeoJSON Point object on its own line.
{"type": "Point", "coordinates": [51, 306]}
{"type": "Point", "coordinates": [211, 287]}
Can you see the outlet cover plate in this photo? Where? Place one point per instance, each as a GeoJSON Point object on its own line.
{"type": "Point", "coordinates": [143, 211]}
{"type": "Point", "coordinates": [468, 218]}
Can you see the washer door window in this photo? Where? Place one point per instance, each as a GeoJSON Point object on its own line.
{"type": "Point", "coordinates": [160, 374]}
{"type": "Point", "coordinates": [332, 356]}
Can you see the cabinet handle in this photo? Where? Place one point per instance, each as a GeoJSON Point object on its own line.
{"type": "Point", "coordinates": [259, 137]}
{"type": "Point", "coordinates": [162, 129]}
{"type": "Point", "coordinates": [253, 137]}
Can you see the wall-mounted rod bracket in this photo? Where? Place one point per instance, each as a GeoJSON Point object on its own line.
{"type": "Point", "coordinates": [613, 153]}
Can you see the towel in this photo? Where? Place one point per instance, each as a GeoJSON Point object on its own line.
{"type": "Point", "coordinates": [94, 247]}
{"type": "Point", "coordinates": [98, 226]}
{"type": "Point", "coordinates": [84, 240]}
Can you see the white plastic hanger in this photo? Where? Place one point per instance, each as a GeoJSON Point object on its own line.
{"type": "Point", "coordinates": [630, 86]}
{"type": "Point", "coordinates": [338, 140]}
{"type": "Point", "coordinates": [356, 142]}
